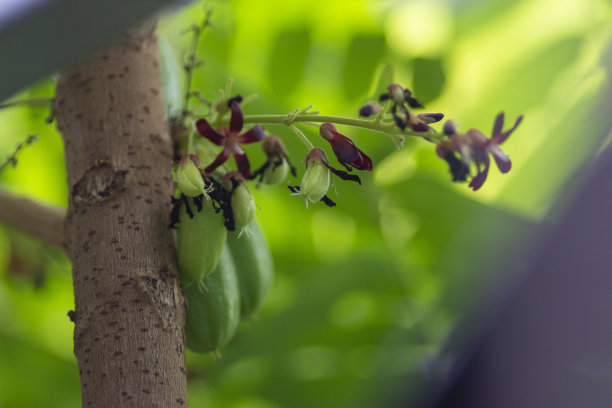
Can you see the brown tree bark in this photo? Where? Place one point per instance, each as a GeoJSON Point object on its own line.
{"type": "Point", "coordinates": [129, 308]}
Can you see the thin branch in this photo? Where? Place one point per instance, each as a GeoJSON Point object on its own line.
{"type": "Point", "coordinates": [40, 220]}
{"type": "Point", "coordinates": [12, 158]}
{"type": "Point", "coordinates": [33, 102]}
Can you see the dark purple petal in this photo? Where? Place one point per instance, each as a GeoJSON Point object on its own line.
{"type": "Point", "coordinates": [414, 103]}
{"type": "Point", "coordinates": [219, 160]}
{"type": "Point", "coordinates": [450, 128]}
{"type": "Point", "coordinates": [459, 170]}
{"type": "Point", "coordinates": [328, 201]}
{"type": "Point", "coordinates": [369, 109]}
{"type": "Point", "coordinates": [343, 174]}
{"type": "Point", "coordinates": [503, 136]}
{"type": "Point", "coordinates": [479, 179]}
{"type": "Point", "coordinates": [419, 126]}
{"type": "Point", "coordinates": [208, 132]}
{"type": "Point", "coordinates": [237, 98]}
{"type": "Point", "coordinates": [501, 159]}
{"type": "Point", "coordinates": [344, 148]}
{"type": "Point", "coordinates": [498, 125]}
{"type": "Point", "coordinates": [253, 135]}
{"type": "Point", "coordinates": [237, 119]}
{"type": "Point", "coordinates": [431, 117]}
{"type": "Point", "coordinates": [398, 121]}
{"type": "Point", "coordinates": [347, 153]}
{"type": "Point", "coordinates": [243, 164]}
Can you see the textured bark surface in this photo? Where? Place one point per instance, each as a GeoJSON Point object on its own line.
{"type": "Point", "coordinates": [129, 308]}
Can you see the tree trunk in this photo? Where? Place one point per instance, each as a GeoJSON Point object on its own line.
{"type": "Point", "coordinates": [129, 308]}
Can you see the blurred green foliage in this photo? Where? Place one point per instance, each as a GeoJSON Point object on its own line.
{"type": "Point", "coordinates": [366, 292]}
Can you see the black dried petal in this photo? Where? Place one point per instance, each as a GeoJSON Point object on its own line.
{"type": "Point", "coordinates": [413, 103]}
{"type": "Point", "coordinates": [328, 202]}
{"type": "Point", "coordinates": [237, 98]}
{"type": "Point", "coordinates": [343, 174]}
{"type": "Point", "coordinates": [458, 168]}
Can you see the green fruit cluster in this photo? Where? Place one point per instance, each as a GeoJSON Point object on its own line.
{"type": "Point", "coordinates": [225, 277]}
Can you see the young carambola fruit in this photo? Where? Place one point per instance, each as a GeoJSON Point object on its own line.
{"type": "Point", "coordinates": [254, 267]}
{"type": "Point", "coordinates": [243, 205]}
{"type": "Point", "coordinates": [199, 241]}
{"type": "Point", "coordinates": [213, 308]}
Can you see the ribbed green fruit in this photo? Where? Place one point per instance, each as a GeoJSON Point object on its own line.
{"type": "Point", "coordinates": [200, 241]}
{"type": "Point", "coordinates": [213, 308]}
{"type": "Point", "coordinates": [254, 267]}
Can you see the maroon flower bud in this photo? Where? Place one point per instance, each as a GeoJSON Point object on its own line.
{"type": "Point", "coordinates": [370, 109]}
{"type": "Point", "coordinates": [430, 117]}
{"type": "Point", "coordinates": [450, 128]}
{"type": "Point", "coordinates": [345, 150]}
{"type": "Point", "coordinates": [277, 165]}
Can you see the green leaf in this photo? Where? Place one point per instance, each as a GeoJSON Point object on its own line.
{"type": "Point", "coordinates": [429, 79]}
{"type": "Point", "coordinates": [363, 55]}
{"type": "Point", "coordinates": [288, 59]}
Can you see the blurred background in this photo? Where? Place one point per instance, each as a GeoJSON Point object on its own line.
{"type": "Point", "coordinates": [366, 293]}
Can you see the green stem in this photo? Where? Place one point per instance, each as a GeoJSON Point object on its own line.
{"type": "Point", "coordinates": [302, 136]}
{"type": "Point", "coordinates": [190, 148]}
{"type": "Point", "coordinates": [389, 129]}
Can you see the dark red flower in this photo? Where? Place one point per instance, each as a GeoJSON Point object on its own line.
{"type": "Point", "coordinates": [345, 150]}
{"type": "Point", "coordinates": [475, 147]}
{"type": "Point", "coordinates": [231, 139]}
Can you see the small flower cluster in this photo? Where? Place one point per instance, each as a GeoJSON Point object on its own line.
{"type": "Point", "coordinates": [402, 99]}
{"type": "Point", "coordinates": [228, 189]}
{"type": "Point", "coordinates": [460, 150]}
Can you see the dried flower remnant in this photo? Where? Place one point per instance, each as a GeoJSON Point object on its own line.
{"type": "Point", "coordinates": [402, 99]}
{"type": "Point", "coordinates": [461, 150]}
{"type": "Point", "coordinates": [231, 139]}
{"type": "Point", "coordinates": [277, 165]}
{"type": "Point", "coordinates": [345, 150]}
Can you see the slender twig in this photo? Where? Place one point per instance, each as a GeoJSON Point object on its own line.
{"type": "Point", "coordinates": [388, 128]}
{"type": "Point", "coordinates": [42, 221]}
{"type": "Point", "coordinates": [34, 102]}
{"type": "Point", "coordinates": [192, 61]}
{"type": "Point", "coordinates": [12, 158]}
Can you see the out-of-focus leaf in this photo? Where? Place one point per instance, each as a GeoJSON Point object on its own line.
{"type": "Point", "coordinates": [32, 377]}
{"type": "Point", "coordinates": [172, 76]}
{"type": "Point", "coordinates": [428, 80]}
{"type": "Point", "coordinates": [363, 55]}
{"type": "Point", "coordinates": [287, 60]}
{"type": "Point", "coordinates": [383, 80]}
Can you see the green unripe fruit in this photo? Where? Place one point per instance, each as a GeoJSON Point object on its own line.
{"type": "Point", "coordinates": [243, 205]}
{"type": "Point", "coordinates": [276, 174]}
{"type": "Point", "coordinates": [213, 308]}
{"type": "Point", "coordinates": [254, 267]}
{"type": "Point", "coordinates": [200, 241]}
{"type": "Point", "coordinates": [315, 183]}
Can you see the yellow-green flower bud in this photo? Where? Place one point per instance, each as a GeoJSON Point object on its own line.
{"type": "Point", "coordinates": [188, 177]}
{"type": "Point", "coordinates": [396, 93]}
{"type": "Point", "coordinates": [315, 182]}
